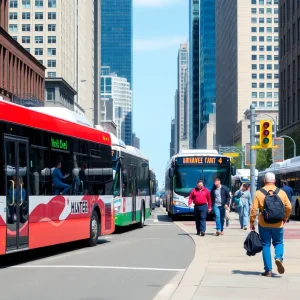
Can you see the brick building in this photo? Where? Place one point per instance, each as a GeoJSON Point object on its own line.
{"type": "Point", "coordinates": [22, 77]}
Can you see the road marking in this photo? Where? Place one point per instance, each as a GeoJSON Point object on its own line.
{"type": "Point", "coordinates": [160, 224]}
{"type": "Point", "coordinates": [94, 267]}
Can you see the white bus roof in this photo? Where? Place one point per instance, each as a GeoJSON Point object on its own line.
{"type": "Point", "coordinates": [288, 165]}
{"type": "Point", "coordinates": [64, 114]}
{"type": "Point", "coordinates": [195, 152]}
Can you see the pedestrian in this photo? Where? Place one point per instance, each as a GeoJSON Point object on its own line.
{"type": "Point", "coordinates": [244, 205]}
{"type": "Point", "coordinates": [221, 200]}
{"type": "Point", "coordinates": [200, 196]}
{"type": "Point", "coordinates": [275, 208]}
{"type": "Point", "coordinates": [289, 192]}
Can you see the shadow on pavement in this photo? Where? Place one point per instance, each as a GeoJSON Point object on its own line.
{"type": "Point", "coordinates": [37, 254]}
{"type": "Point", "coordinates": [251, 273]}
{"type": "Point", "coordinates": [128, 228]}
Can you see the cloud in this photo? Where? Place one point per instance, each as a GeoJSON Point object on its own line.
{"type": "Point", "coordinates": [142, 45]}
{"type": "Point", "coordinates": [155, 3]}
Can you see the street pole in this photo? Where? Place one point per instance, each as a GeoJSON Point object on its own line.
{"type": "Point", "coordinates": [286, 136]}
{"type": "Point", "coordinates": [252, 151]}
{"type": "Point", "coordinates": [242, 155]}
{"type": "Point", "coordinates": [275, 127]}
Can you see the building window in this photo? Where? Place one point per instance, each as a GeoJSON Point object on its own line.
{"type": "Point", "coordinates": [27, 49]}
{"type": "Point", "coordinates": [254, 103]}
{"type": "Point", "coordinates": [276, 104]}
{"type": "Point", "coordinates": [261, 104]}
{"type": "Point", "coordinates": [269, 67]}
{"type": "Point", "coordinates": [261, 20]}
{"type": "Point", "coordinates": [261, 48]}
{"type": "Point", "coordinates": [38, 51]}
{"type": "Point", "coordinates": [269, 104]}
{"type": "Point", "coordinates": [39, 16]}
{"type": "Point", "coordinates": [26, 15]}
{"type": "Point", "coordinates": [38, 27]}
{"type": "Point", "coordinates": [52, 3]}
{"type": "Point", "coordinates": [51, 74]}
{"type": "Point", "coordinates": [254, 57]}
{"type": "Point", "coordinates": [41, 61]}
{"type": "Point", "coordinates": [253, 10]}
{"type": "Point", "coordinates": [254, 67]}
{"type": "Point", "coordinates": [253, 1]}
{"type": "Point", "coordinates": [269, 94]}
{"type": "Point", "coordinates": [253, 29]}
{"type": "Point", "coordinates": [254, 85]}
{"type": "Point", "coordinates": [52, 51]}
{"type": "Point", "coordinates": [39, 39]}
{"type": "Point", "coordinates": [13, 27]}
{"type": "Point", "coordinates": [13, 16]}
{"type": "Point", "coordinates": [262, 76]}
{"type": "Point", "coordinates": [276, 76]}
{"type": "Point", "coordinates": [254, 48]}
{"type": "Point", "coordinates": [276, 39]}
{"type": "Point", "coordinates": [51, 27]}
{"type": "Point", "coordinates": [269, 85]}
{"type": "Point", "coordinates": [269, 11]}
{"type": "Point", "coordinates": [254, 94]}
{"type": "Point", "coordinates": [26, 27]}
{"type": "Point", "coordinates": [261, 11]}
{"type": "Point", "coordinates": [50, 93]}
{"type": "Point", "coordinates": [26, 39]}
{"type": "Point", "coordinates": [261, 66]}
{"type": "Point", "coordinates": [276, 29]}
{"type": "Point", "coordinates": [269, 39]}
{"type": "Point", "coordinates": [51, 39]}
{"type": "Point", "coordinates": [261, 85]}
{"type": "Point", "coordinates": [261, 2]}
{"type": "Point", "coordinates": [39, 3]}
{"type": "Point", "coordinates": [269, 2]}
{"type": "Point", "coordinates": [254, 38]}
{"type": "Point", "coordinates": [261, 95]}
{"type": "Point", "coordinates": [13, 3]}
{"type": "Point", "coordinates": [25, 3]}
{"type": "Point", "coordinates": [276, 85]}
{"type": "Point", "coordinates": [52, 15]}
{"type": "Point", "coordinates": [261, 38]}
{"type": "Point", "coordinates": [269, 48]}
{"type": "Point", "coordinates": [269, 29]}
{"type": "Point", "coordinates": [254, 76]}
{"type": "Point", "coordinates": [269, 76]}
{"type": "Point", "coordinates": [275, 20]}
{"type": "Point", "coordinates": [261, 29]}
{"type": "Point", "coordinates": [51, 63]}
{"type": "Point", "coordinates": [276, 95]}
{"type": "Point", "coordinates": [261, 57]}
{"type": "Point", "coordinates": [253, 20]}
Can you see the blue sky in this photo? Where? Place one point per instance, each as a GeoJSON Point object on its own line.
{"type": "Point", "coordinates": [159, 26]}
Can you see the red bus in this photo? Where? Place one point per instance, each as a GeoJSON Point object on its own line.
{"type": "Point", "coordinates": [38, 207]}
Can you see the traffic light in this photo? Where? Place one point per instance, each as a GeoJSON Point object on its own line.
{"type": "Point", "coordinates": [266, 134]}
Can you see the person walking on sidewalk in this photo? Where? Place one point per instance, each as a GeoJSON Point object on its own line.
{"type": "Point", "coordinates": [200, 196]}
{"type": "Point", "coordinates": [275, 208]}
{"type": "Point", "coordinates": [221, 200]}
{"type": "Point", "coordinates": [245, 203]}
{"type": "Point", "coordinates": [289, 192]}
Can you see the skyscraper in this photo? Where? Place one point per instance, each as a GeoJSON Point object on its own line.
{"type": "Point", "coordinates": [181, 101]}
{"type": "Point", "coordinates": [207, 58]}
{"type": "Point", "coordinates": [194, 104]}
{"type": "Point", "coordinates": [116, 37]}
{"type": "Point", "coordinates": [246, 61]}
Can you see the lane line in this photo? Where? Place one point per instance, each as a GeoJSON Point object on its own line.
{"type": "Point", "coordinates": [94, 267]}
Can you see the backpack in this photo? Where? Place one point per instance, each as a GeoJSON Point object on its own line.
{"type": "Point", "coordinates": [274, 211]}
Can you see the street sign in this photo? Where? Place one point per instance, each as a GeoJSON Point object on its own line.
{"type": "Point", "coordinates": [278, 153]}
{"type": "Point", "coordinates": [247, 154]}
{"type": "Point", "coordinates": [232, 154]}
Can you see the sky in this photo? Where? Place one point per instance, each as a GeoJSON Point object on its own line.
{"type": "Point", "coordinates": [159, 27]}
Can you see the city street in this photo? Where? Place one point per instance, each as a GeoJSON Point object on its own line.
{"type": "Point", "coordinates": [131, 264]}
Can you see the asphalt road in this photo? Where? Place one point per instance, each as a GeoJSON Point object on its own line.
{"type": "Point", "coordinates": [132, 264]}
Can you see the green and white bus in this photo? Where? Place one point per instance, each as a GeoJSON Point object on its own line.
{"type": "Point", "coordinates": [131, 184]}
{"type": "Point", "coordinates": [153, 188]}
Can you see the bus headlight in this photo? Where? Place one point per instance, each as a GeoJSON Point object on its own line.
{"type": "Point", "coordinates": [117, 209]}
{"type": "Point", "coordinates": [179, 203]}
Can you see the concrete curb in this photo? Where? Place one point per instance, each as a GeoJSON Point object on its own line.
{"type": "Point", "coordinates": [185, 284]}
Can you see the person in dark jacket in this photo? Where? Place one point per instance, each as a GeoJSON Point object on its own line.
{"type": "Point", "coordinates": [220, 200]}
{"type": "Point", "coordinates": [289, 192]}
{"type": "Point", "coordinates": [200, 196]}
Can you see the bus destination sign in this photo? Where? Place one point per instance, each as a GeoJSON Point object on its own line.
{"type": "Point", "coordinates": [202, 160]}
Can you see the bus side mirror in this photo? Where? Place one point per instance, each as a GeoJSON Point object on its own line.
{"type": "Point", "coordinates": [171, 172]}
{"type": "Point", "coordinates": [233, 170]}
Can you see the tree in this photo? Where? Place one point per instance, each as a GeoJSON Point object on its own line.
{"type": "Point", "coordinates": [263, 159]}
{"type": "Point", "coordinates": [237, 161]}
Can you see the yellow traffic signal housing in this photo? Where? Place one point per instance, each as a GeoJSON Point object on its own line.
{"type": "Point", "coordinates": [266, 134]}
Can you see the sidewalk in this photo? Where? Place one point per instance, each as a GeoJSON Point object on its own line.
{"type": "Point", "coordinates": [222, 270]}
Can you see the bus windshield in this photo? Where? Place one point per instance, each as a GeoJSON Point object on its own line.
{"type": "Point", "coordinates": [186, 178]}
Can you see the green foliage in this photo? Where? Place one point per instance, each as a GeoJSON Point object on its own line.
{"type": "Point", "coordinates": [289, 146]}
{"type": "Point", "coordinates": [237, 161]}
{"type": "Point", "coordinates": [263, 159]}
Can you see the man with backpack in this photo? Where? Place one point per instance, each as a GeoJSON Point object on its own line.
{"type": "Point", "coordinates": [275, 209]}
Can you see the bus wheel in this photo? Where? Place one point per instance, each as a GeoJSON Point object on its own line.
{"type": "Point", "coordinates": [94, 229]}
{"type": "Point", "coordinates": [142, 216]}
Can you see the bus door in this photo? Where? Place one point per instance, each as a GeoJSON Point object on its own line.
{"type": "Point", "coordinates": [133, 191]}
{"type": "Point", "coordinates": [17, 192]}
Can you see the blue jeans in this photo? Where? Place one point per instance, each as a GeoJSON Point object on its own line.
{"type": "Point", "coordinates": [244, 213]}
{"type": "Point", "coordinates": [220, 217]}
{"type": "Point", "coordinates": [266, 235]}
{"type": "Point", "coordinates": [63, 186]}
{"type": "Point", "coordinates": [200, 212]}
